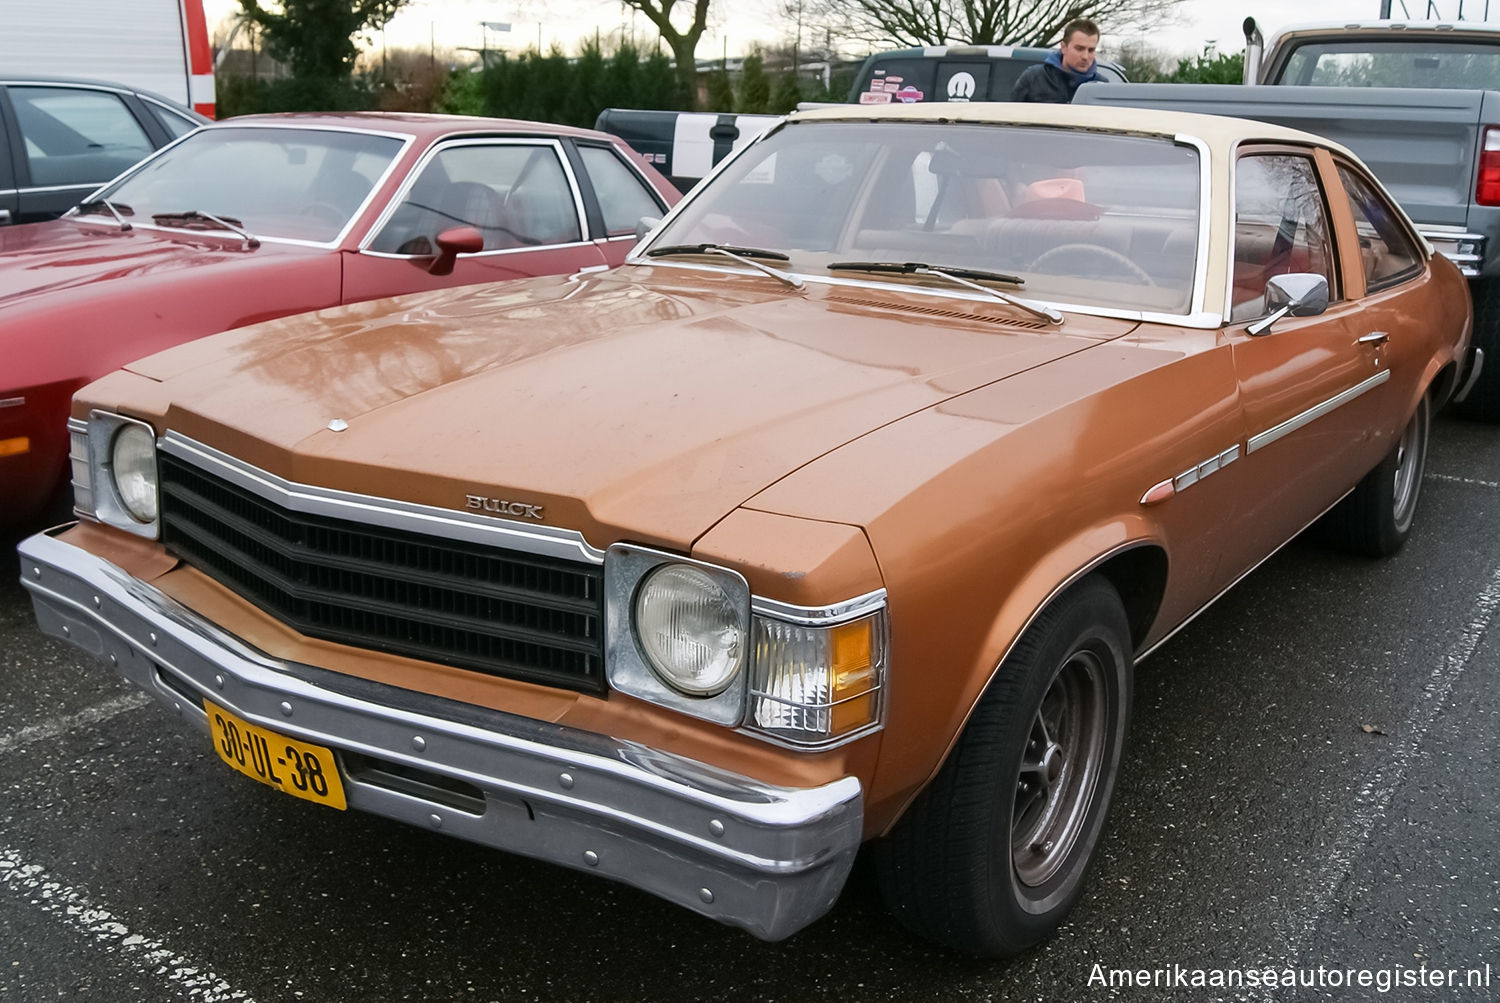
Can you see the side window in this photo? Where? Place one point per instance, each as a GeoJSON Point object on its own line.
{"type": "Point", "coordinates": [623, 195]}
{"type": "Point", "coordinates": [175, 124]}
{"type": "Point", "coordinates": [514, 194]}
{"type": "Point", "coordinates": [77, 137]}
{"type": "Point", "coordinates": [1280, 226]}
{"type": "Point", "coordinates": [1388, 254]}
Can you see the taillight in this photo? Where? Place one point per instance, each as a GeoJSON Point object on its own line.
{"type": "Point", "coordinates": [1487, 190]}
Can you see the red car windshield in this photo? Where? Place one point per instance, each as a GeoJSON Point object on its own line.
{"type": "Point", "coordinates": [287, 183]}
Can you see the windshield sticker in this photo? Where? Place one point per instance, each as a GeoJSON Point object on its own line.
{"type": "Point", "coordinates": [833, 169]}
{"type": "Point", "coordinates": [909, 95]}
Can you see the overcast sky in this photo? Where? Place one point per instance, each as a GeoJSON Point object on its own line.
{"type": "Point", "coordinates": [456, 23]}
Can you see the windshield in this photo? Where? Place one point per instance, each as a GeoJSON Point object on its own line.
{"type": "Point", "coordinates": [1455, 65]}
{"type": "Point", "coordinates": [293, 183]}
{"type": "Point", "coordinates": [1078, 217]}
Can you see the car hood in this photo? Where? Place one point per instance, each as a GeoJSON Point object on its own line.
{"type": "Point", "coordinates": [46, 258]}
{"type": "Point", "coordinates": [641, 404]}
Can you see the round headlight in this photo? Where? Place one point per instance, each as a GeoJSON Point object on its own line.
{"type": "Point", "coordinates": [133, 461]}
{"type": "Point", "coordinates": [690, 629]}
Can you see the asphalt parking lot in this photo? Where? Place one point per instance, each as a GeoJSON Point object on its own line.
{"type": "Point", "coordinates": [1313, 781]}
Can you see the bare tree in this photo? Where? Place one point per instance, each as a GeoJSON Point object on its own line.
{"type": "Point", "coordinates": [983, 22]}
{"type": "Point", "coordinates": [683, 41]}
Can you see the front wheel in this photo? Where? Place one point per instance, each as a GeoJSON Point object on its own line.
{"type": "Point", "coordinates": [1377, 516]}
{"type": "Point", "coordinates": [992, 856]}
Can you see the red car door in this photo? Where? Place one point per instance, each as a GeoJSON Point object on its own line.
{"type": "Point", "coordinates": [519, 193]}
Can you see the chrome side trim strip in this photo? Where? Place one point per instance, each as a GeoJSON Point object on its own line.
{"type": "Point", "coordinates": [820, 616]}
{"type": "Point", "coordinates": [1312, 414]}
{"type": "Point", "coordinates": [549, 541]}
{"type": "Point", "coordinates": [529, 249]}
{"type": "Point", "coordinates": [1192, 475]}
{"type": "Point", "coordinates": [31, 189]}
{"type": "Point", "coordinates": [1205, 213]}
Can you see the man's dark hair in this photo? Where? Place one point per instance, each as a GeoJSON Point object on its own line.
{"type": "Point", "coordinates": [1082, 24]}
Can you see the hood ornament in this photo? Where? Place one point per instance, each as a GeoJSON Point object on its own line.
{"type": "Point", "coordinates": [337, 425]}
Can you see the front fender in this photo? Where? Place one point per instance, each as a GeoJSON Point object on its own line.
{"type": "Point", "coordinates": [921, 734]}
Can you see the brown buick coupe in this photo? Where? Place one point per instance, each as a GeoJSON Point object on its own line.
{"type": "Point", "coordinates": [841, 512]}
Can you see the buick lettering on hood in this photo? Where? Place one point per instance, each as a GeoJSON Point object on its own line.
{"type": "Point", "coordinates": [841, 512]}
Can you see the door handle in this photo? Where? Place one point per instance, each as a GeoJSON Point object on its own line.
{"type": "Point", "coordinates": [1375, 338]}
{"type": "Point", "coordinates": [4, 216]}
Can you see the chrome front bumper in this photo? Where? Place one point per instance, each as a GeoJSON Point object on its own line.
{"type": "Point", "coordinates": [768, 859]}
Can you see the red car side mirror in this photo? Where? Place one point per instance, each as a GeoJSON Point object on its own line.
{"type": "Point", "coordinates": [453, 242]}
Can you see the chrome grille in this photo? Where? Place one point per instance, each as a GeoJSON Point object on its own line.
{"type": "Point", "coordinates": [502, 612]}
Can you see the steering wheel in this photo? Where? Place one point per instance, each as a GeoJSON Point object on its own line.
{"type": "Point", "coordinates": [1113, 257]}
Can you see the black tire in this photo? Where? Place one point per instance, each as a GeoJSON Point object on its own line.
{"type": "Point", "coordinates": [984, 862]}
{"type": "Point", "coordinates": [1377, 516]}
{"type": "Point", "coordinates": [1483, 401]}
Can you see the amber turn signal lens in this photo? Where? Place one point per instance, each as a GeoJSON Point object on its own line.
{"type": "Point", "coordinates": [813, 685]}
{"type": "Point", "coordinates": [15, 446]}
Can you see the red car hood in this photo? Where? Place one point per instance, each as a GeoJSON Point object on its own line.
{"type": "Point", "coordinates": [43, 258]}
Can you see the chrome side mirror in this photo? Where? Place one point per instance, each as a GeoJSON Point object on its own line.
{"type": "Point", "coordinates": [1301, 294]}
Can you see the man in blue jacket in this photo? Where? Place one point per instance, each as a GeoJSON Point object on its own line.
{"type": "Point", "coordinates": [1064, 71]}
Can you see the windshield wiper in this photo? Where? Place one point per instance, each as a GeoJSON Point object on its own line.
{"type": "Point", "coordinates": [958, 276]}
{"type": "Point", "coordinates": [735, 249]}
{"type": "Point", "coordinates": [744, 255]}
{"type": "Point", "coordinates": [114, 210]}
{"type": "Point", "coordinates": [196, 215]}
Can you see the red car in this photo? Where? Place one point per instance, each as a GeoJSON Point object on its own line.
{"type": "Point", "coordinates": [264, 216]}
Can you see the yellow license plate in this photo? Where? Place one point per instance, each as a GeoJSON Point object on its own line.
{"type": "Point", "coordinates": [300, 769]}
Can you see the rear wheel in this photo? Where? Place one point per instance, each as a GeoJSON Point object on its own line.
{"type": "Point", "coordinates": [1483, 401]}
{"type": "Point", "coordinates": [992, 856]}
{"type": "Point", "coordinates": [1377, 517]}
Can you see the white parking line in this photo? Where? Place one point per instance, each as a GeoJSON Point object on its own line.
{"type": "Point", "coordinates": [62, 725]}
{"type": "Point", "coordinates": [1463, 480]}
{"type": "Point", "coordinates": [146, 954]}
{"type": "Point", "coordinates": [1374, 800]}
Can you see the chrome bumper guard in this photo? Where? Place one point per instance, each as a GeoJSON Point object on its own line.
{"type": "Point", "coordinates": [1472, 370]}
{"type": "Point", "coordinates": [766, 858]}
{"type": "Point", "coordinates": [1466, 250]}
